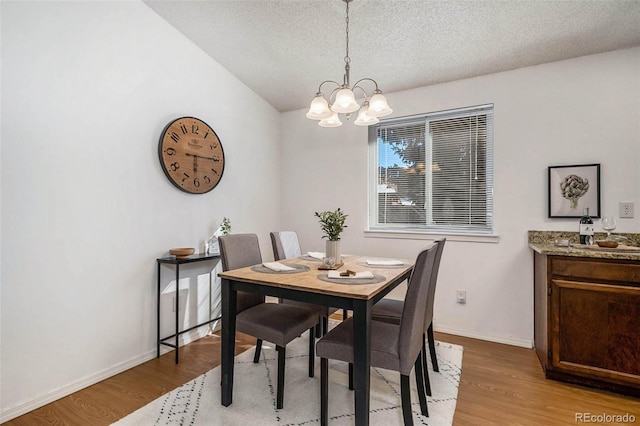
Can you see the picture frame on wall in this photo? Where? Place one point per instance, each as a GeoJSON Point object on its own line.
{"type": "Point", "coordinates": [572, 188]}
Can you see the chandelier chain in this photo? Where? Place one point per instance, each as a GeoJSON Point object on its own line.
{"type": "Point", "coordinates": [347, 59]}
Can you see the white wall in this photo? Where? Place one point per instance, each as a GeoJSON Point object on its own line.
{"type": "Point", "coordinates": [579, 111]}
{"type": "Point", "coordinates": [85, 207]}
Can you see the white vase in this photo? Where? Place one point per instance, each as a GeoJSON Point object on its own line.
{"type": "Point", "coordinates": [333, 250]}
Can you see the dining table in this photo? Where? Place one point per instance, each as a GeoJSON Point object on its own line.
{"type": "Point", "coordinates": [306, 281]}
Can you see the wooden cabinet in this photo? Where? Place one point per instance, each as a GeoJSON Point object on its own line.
{"type": "Point", "coordinates": [587, 320]}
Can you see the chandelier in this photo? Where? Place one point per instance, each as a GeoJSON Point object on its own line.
{"type": "Point", "coordinates": [342, 99]}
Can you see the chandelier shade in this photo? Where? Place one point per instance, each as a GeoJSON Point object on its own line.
{"type": "Point", "coordinates": [332, 121]}
{"type": "Point", "coordinates": [364, 118]}
{"type": "Point", "coordinates": [345, 102]}
{"type": "Point", "coordinates": [378, 106]}
{"type": "Point", "coordinates": [342, 99]}
{"type": "Point", "coordinates": [319, 108]}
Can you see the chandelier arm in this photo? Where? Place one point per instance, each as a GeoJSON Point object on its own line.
{"type": "Point", "coordinates": [368, 79]}
{"type": "Point", "coordinates": [327, 81]}
{"type": "Point", "coordinates": [363, 91]}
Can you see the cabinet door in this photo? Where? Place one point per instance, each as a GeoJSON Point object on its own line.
{"type": "Point", "coordinates": [595, 331]}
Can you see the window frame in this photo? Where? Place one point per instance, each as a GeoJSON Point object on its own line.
{"type": "Point", "coordinates": [469, 232]}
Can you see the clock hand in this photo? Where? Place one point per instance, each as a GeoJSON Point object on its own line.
{"type": "Point", "coordinates": [195, 161]}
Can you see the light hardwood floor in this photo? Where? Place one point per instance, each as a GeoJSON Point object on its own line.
{"type": "Point", "coordinates": [500, 384]}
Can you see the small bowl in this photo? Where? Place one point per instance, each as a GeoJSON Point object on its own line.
{"type": "Point", "coordinates": [607, 244]}
{"type": "Point", "coordinates": [182, 252]}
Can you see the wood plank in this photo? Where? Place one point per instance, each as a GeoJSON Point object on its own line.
{"type": "Point", "coordinates": [500, 384]}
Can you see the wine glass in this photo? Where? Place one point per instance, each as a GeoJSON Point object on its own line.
{"type": "Point", "coordinates": [608, 225]}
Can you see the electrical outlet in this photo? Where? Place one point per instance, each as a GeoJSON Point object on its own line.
{"type": "Point", "coordinates": [626, 209]}
{"type": "Point", "coordinates": [461, 296]}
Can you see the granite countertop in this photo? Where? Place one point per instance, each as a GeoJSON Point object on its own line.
{"type": "Point", "coordinates": [543, 242]}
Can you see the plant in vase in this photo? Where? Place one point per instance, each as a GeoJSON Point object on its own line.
{"type": "Point", "coordinates": [332, 225]}
{"type": "Point", "coordinates": [225, 227]}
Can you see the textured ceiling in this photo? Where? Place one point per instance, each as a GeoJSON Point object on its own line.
{"type": "Point", "coordinates": [283, 49]}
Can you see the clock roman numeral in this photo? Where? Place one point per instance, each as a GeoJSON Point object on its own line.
{"type": "Point", "coordinates": [215, 171]}
{"type": "Point", "coordinates": [183, 128]}
{"type": "Point", "coordinates": [175, 136]}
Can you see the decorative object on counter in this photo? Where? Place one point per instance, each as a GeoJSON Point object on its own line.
{"type": "Point", "coordinates": [586, 228]}
{"type": "Point", "coordinates": [191, 155]}
{"type": "Point", "coordinates": [332, 225]}
{"type": "Point", "coordinates": [608, 224]}
{"type": "Point", "coordinates": [572, 188]}
{"type": "Point", "coordinates": [182, 252]}
{"type": "Point", "coordinates": [607, 244]}
{"type": "Point", "coordinates": [561, 242]}
{"type": "Point", "coordinates": [211, 245]}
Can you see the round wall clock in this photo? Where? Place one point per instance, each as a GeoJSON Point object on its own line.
{"type": "Point", "coordinates": [191, 155]}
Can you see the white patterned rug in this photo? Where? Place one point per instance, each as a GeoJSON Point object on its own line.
{"type": "Point", "coordinates": [254, 388]}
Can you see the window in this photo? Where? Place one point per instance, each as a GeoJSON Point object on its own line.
{"type": "Point", "coordinates": [433, 172]}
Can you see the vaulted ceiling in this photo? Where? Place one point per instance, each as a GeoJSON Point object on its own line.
{"type": "Point", "coordinates": [283, 49]}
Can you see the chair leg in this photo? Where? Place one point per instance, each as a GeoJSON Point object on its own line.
{"type": "Point", "coordinates": [256, 356]}
{"type": "Point", "coordinates": [312, 351]}
{"type": "Point", "coordinates": [425, 369]}
{"type": "Point", "coordinates": [405, 394]}
{"type": "Point", "coordinates": [432, 348]}
{"type": "Point", "coordinates": [280, 389]}
{"type": "Point", "coordinates": [420, 383]}
{"type": "Point", "coordinates": [350, 376]}
{"type": "Point", "coordinates": [345, 314]}
{"type": "Point", "coordinates": [324, 391]}
{"type": "Point", "coordinates": [318, 328]}
{"type": "Point", "coordinates": [325, 326]}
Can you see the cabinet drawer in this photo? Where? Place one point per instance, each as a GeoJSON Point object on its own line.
{"type": "Point", "coordinates": [623, 271]}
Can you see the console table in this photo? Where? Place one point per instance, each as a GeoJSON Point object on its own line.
{"type": "Point", "coordinates": [172, 260]}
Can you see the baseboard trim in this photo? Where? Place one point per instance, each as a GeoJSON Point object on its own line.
{"type": "Point", "coordinates": [489, 338]}
{"type": "Point", "coordinates": [19, 409]}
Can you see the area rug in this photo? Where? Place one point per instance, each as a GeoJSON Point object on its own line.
{"type": "Point", "coordinates": [254, 394]}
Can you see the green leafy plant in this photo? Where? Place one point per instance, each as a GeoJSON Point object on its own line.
{"type": "Point", "coordinates": [332, 223]}
{"type": "Point", "coordinates": [225, 227]}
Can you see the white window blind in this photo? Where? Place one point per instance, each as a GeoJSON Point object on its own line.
{"type": "Point", "coordinates": [433, 172]}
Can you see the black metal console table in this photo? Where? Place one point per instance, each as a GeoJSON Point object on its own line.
{"type": "Point", "coordinates": [172, 260]}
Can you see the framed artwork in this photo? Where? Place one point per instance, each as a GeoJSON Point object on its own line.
{"type": "Point", "coordinates": [572, 188]}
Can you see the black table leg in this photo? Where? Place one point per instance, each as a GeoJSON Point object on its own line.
{"type": "Point", "coordinates": [361, 359]}
{"type": "Point", "coordinates": [229, 297]}
{"type": "Point", "coordinates": [177, 309]}
{"type": "Point", "coordinates": [158, 317]}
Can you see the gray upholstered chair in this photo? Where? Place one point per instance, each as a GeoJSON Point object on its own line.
{"type": "Point", "coordinates": [273, 322]}
{"type": "Point", "coordinates": [390, 310]}
{"type": "Point", "coordinates": [393, 346]}
{"type": "Point", "coordinates": [286, 246]}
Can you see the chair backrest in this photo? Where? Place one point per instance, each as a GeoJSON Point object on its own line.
{"type": "Point", "coordinates": [415, 305]}
{"type": "Point", "coordinates": [238, 251]}
{"type": "Point", "coordinates": [285, 245]}
{"type": "Point", "coordinates": [428, 317]}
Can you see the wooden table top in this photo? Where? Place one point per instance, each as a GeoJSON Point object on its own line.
{"type": "Point", "coordinates": [308, 281]}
